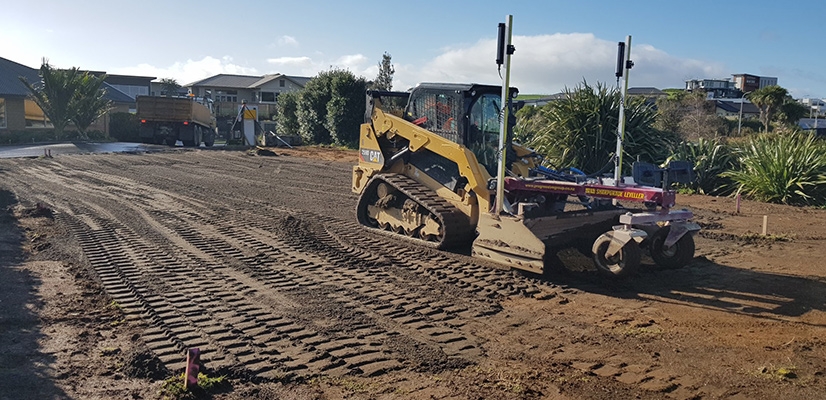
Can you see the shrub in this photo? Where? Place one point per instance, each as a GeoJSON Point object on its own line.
{"type": "Point", "coordinates": [580, 130]}
{"type": "Point", "coordinates": [286, 120]}
{"type": "Point", "coordinates": [125, 127]}
{"type": "Point", "coordinates": [711, 158]}
{"type": "Point", "coordinates": [782, 167]}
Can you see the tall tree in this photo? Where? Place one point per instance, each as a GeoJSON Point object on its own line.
{"type": "Point", "coordinates": [384, 80]}
{"type": "Point", "coordinates": [698, 119]}
{"type": "Point", "coordinates": [170, 86]}
{"type": "Point", "coordinates": [89, 102]}
{"type": "Point", "coordinates": [54, 94]}
{"type": "Point", "coordinates": [768, 99]}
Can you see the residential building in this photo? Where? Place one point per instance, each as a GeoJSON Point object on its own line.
{"type": "Point", "coordinates": [749, 83]}
{"type": "Point", "coordinates": [229, 91]}
{"type": "Point", "coordinates": [651, 94]}
{"type": "Point", "coordinates": [731, 108]}
{"type": "Point", "coordinates": [815, 106]}
{"type": "Point", "coordinates": [18, 112]}
{"type": "Point", "coordinates": [714, 88]}
{"type": "Point", "coordinates": [816, 125]}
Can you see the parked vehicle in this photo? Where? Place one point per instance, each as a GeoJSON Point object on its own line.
{"type": "Point", "coordinates": [169, 119]}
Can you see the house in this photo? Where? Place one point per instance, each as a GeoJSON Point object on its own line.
{"type": "Point", "coordinates": [815, 106]}
{"type": "Point", "coordinates": [816, 125]}
{"type": "Point", "coordinates": [731, 108]}
{"type": "Point", "coordinates": [18, 112]}
{"type": "Point", "coordinates": [749, 83]}
{"type": "Point", "coordinates": [651, 94]}
{"type": "Point", "coordinates": [714, 88]}
{"type": "Point", "coordinates": [229, 91]}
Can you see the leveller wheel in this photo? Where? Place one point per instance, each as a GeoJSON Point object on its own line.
{"type": "Point", "coordinates": [676, 256]}
{"type": "Point", "coordinates": [622, 264]}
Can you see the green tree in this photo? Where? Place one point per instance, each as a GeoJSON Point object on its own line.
{"type": "Point", "coordinates": [54, 94]}
{"type": "Point", "coordinates": [384, 80]}
{"type": "Point", "coordinates": [331, 108]}
{"type": "Point", "coordinates": [89, 102]}
{"type": "Point", "coordinates": [169, 87]}
{"type": "Point", "coordinates": [345, 111]}
{"type": "Point", "coordinates": [768, 99]}
{"type": "Point", "coordinates": [580, 130]}
{"type": "Point", "coordinates": [791, 112]}
{"type": "Point", "coordinates": [286, 120]}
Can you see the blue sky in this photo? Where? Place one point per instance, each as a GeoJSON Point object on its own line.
{"type": "Point", "coordinates": [558, 43]}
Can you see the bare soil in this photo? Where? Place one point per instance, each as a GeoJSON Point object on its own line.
{"type": "Point", "coordinates": [112, 265]}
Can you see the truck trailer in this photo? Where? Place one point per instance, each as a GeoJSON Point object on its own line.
{"type": "Point", "coordinates": [169, 119]}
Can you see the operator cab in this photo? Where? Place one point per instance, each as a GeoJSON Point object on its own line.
{"type": "Point", "coordinates": [467, 114]}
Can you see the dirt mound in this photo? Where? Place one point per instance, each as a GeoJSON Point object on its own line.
{"type": "Point", "coordinates": [143, 364]}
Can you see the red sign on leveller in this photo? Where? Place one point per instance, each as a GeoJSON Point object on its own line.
{"type": "Point", "coordinates": [632, 193]}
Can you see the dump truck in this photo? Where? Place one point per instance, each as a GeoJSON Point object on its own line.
{"type": "Point", "coordinates": [427, 172]}
{"type": "Point", "coordinates": [169, 119]}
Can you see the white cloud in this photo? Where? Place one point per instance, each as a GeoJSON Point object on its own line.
{"type": "Point", "coordinates": [307, 66]}
{"type": "Point", "coordinates": [549, 63]}
{"type": "Point", "coordinates": [190, 70]}
{"type": "Point", "coordinates": [287, 40]}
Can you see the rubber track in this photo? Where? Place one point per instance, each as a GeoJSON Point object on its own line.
{"type": "Point", "coordinates": [457, 229]}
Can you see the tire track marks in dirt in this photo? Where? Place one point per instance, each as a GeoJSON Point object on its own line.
{"type": "Point", "coordinates": [135, 259]}
{"type": "Point", "coordinates": [225, 273]}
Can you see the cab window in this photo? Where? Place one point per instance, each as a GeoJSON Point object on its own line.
{"type": "Point", "coordinates": [483, 136]}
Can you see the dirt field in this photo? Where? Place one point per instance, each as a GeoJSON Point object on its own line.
{"type": "Point", "coordinates": [132, 258]}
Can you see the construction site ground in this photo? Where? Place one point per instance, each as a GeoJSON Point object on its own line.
{"type": "Point", "coordinates": [112, 265]}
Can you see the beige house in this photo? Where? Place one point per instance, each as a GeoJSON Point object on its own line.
{"type": "Point", "coordinates": [229, 91]}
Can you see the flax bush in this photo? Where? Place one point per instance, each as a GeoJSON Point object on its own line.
{"type": "Point", "coordinates": [786, 167]}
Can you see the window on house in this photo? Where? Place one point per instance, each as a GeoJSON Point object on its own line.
{"type": "Point", "coordinates": [2, 113]}
{"type": "Point", "coordinates": [282, 83]}
{"type": "Point", "coordinates": [268, 97]}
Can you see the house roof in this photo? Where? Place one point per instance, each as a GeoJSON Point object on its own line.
{"type": "Point", "coordinates": [10, 84]}
{"type": "Point", "coordinates": [645, 91]}
{"type": "Point", "coordinates": [246, 81]}
{"type": "Point", "coordinates": [734, 106]}
{"type": "Point", "coordinates": [810, 123]}
{"type": "Point", "coordinates": [116, 95]}
{"type": "Point", "coordinates": [10, 72]}
{"type": "Point", "coordinates": [227, 80]}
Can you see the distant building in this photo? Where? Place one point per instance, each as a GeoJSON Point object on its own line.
{"type": "Point", "coordinates": [749, 83]}
{"type": "Point", "coordinates": [817, 125]}
{"type": "Point", "coordinates": [19, 112]}
{"type": "Point", "coordinates": [714, 88]}
{"type": "Point", "coordinates": [228, 91]}
{"type": "Point", "coordinates": [731, 108]}
{"type": "Point", "coordinates": [651, 94]}
{"type": "Point", "coordinates": [815, 106]}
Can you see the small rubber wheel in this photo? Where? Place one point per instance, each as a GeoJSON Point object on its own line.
{"type": "Point", "coordinates": [620, 265]}
{"type": "Point", "coordinates": [676, 256]}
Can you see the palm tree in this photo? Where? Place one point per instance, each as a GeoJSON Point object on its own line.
{"type": "Point", "coordinates": [170, 86]}
{"type": "Point", "coordinates": [90, 102]}
{"type": "Point", "coordinates": [54, 94]}
{"type": "Point", "coordinates": [768, 99]}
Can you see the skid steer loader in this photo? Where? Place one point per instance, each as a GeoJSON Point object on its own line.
{"type": "Point", "coordinates": [426, 172]}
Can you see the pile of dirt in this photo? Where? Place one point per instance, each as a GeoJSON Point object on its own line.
{"type": "Point", "coordinates": [141, 363]}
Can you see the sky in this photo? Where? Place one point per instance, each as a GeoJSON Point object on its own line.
{"type": "Point", "coordinates": [559, 43]}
